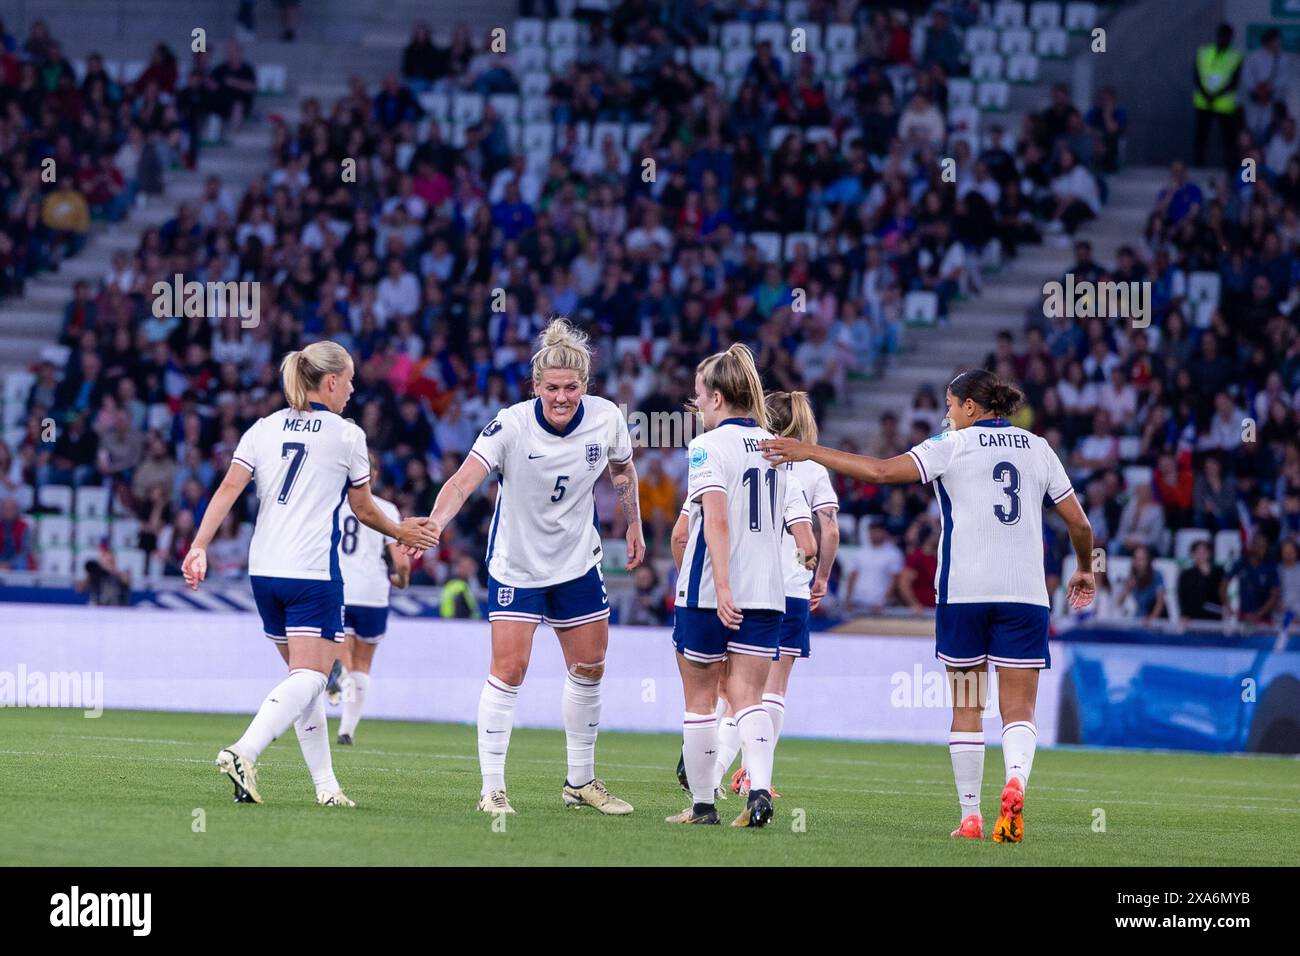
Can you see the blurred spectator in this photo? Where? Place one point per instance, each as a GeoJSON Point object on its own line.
{"type": "Point", "coordinates": [873, 570]}
{"type": "Point", "coordinates": [646, 603]}
{"type": "Point", "coordinates": [15, 538]}
{"type": "Point", "coordinates": [1258, 583]}
{"type": "Point", "coordinates": [1145, 587]}
{"type": "Point", "coordinates": [104, 582]}
{"type": "Point", "coordinates": [1200, 587]}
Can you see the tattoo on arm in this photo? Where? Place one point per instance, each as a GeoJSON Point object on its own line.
{"type": "Point", "coordinates": [625, 483]}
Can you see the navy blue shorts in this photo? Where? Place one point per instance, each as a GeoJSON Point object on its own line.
{"type": "Point", "coordinates": [294, 607]}
{"type": "Point", "coordinates": [366, 624]}
{"type": "Point", "coordinates": [700, 636]}
{"type": "Point", "coordinates": [794, 628]}
{"type": "Point", "coordinates": [568, 604]}
{"type": "Point", "coordinates": [1002, 633]}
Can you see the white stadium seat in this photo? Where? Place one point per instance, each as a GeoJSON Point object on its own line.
{"type": "Point", "coordinates": [467, 108]}
{"type": "Point", "coordinates": [92, 501]}
{"type": "Point", "coordinates": [1080, 17]}
{"type": "Point", "coordinates": [538, 138]}
{"type": "Point", "coordinates": [736, 60]}
{"type": "Point", "coordinates": [840, 62]}
{"type": "Point", "coordinates": [920, 308]}
{"type": "Point", "coordinates": [1011, 42]}
{"type": "Point", "coordinates": [132, 561]}
{"type": "Point", "coordinates": [986, 66]}
{"type": "Point", "coordinates": [1227, 547]}
{"type": "Point", "coordinates": [1137, 475]}
{"type": "Point", "coordinates": [562, 58]}
{"type": "Point", "coordinates": [841, 38]}
{"type": "Point", "coordinates": [55, 498]}
{"type": "Point", "coordinates": [777, 34]}
{"type": "Point", "coordinates": [535, 83]}
{"type": "Point", "coordinates": [531, 59]}
{"type": "Point", "coordinates": [1009, 15]}
{"type": "Point", "coordinates": [535, 109]}
{"type": "Point", "coordinates": [992, 95]}
{"type": "Point", "coordinates": [736, 33]}
{"type": "Point", "coordinates": [1051, 43]}
{"type": "Point", "coordinates": [603, 129]}
{"type": "Point", "coordinates": [272, 78]}
{"type": "Point", "coordinates": [706, 61]}
{"type": "Point", "coordinates": [981, 40]}
{"type": "Point", "coordinates": [89, 533]}
{"type": "Point", "coordinates": [960, 93]}
{"type": "Point", "coordinates": [124, 533]}
{"type": "Point", "coordinates": [562, 33]}
{"type": "Point", "coordinates": [55, 561]}
{"type": "Point", "coordinates": [53, 531]}
{"type": "Point", "coordinates": [1045, 15]}
{"type": "Point", "coordinates": [1022, 68]}
{"type": "Point", "coordinates": [528, 31]}
{"type": "Point", "coordinates": [437, 105]}
{"type": "Point", "coordinates": [794, 239]}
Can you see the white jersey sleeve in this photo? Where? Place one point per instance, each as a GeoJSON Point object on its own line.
{"type": "Point", "coordinates": [934, 455]}
{"type": "Point", "coordinates": [361, 557]}
{"type": "Point", "coordinates": [798, 579]}
{"type": "Point", "coordinates": [496, 439]}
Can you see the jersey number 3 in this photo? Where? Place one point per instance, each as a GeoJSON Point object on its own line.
{"type": "Point", "coordinates": [1008, 476]}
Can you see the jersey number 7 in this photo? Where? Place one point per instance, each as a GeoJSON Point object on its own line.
{"type": "Point", "coordinates": [299, 452]}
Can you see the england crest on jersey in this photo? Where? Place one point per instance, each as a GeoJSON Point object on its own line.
{"type": "Point", "coordinates": [505, 596]}
{"type": "Point", "coordinates": [593, 454]}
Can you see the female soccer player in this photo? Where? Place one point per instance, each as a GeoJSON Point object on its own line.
{"type": "Point", "coordinates": [989, 478]}
{"type": "Point", "coordinates": [789, 414]}
{"type": "Point", "coordinates": [731, 589]}
{"type": "Point", "coordinates": [544, 554]}
{"type": "Point", "coordinates": [364, 558]}
{"type": "Point", "coordinates": [307, 460]}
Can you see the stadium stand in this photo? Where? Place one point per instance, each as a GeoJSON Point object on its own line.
{"type": "Point", "coordinates": [783, 162]}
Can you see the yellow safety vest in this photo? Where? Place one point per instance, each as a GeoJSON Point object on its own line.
{"type": "Point", "coordinates": [1215, 69]}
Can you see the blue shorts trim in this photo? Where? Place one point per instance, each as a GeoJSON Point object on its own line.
{"type": "Point", "coordinates": [1003, 634]}
{"type": "Point", "coordinates": [701, 637]}
{"type": "Point", "coordinates": [367, 624]}
{"type": "Point", "coordinates": [294, 607]}
{"type": "Point", "coordinates": [564, 605]}
{"type": "Point", "coordinates": [794, 629]}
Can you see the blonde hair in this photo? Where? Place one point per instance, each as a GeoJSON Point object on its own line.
{"type": "Point", "coordinates": [790, 415]}
{"type": "Point", "coordinates": [562, 346]}
{"type": "Point", "coordinates": [734, 374]}
{"type": "Point", "coordinates": [304, 370]}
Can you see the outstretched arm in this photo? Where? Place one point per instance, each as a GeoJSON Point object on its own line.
{"type": "Point", "coordinates": [451, 498]}
{"type": "Point", "coordinates": [899, 470]}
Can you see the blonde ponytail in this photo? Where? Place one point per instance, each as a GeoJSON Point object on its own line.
{"type": "Point", "coordinates": [304, 370]}
{"type": "Point", "coordinates": [790, 415]}
{"type": "Point", "coordinates": [562, 346]}
{"type": "Point", "coordinates": [734, 374]}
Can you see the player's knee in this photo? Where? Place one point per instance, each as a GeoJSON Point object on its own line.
{"type": "Point", "coordinates": [509, 672]}
{"type": "Point", "coordinates": [588, 671]}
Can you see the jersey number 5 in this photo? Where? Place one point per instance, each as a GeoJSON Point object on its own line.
{"type": "Point", "coordinates": [299, 452]}
{"type": "Point", "coordinates": [559, 488]}
{"type": "Point", "coordinates": [1008, 476]}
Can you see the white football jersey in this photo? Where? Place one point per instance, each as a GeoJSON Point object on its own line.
{"type": "Point", "coordinates": [814, 484]}
{"type": "Point", "coordinates": [361, 557]}
{"type": "Point", "coordinates": [545, 529]}
{"type": "Point", "coordinates": [728, 459]}
{"type": "Point", "coordinates": [992, 481]}
{"type": "Point", "coordinates": [303, 464]}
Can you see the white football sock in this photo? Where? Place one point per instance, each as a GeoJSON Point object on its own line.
{"type": "Point", "coordinates": [728, 747]}
{"type": "Point", "coordinates": [355, 687]}
{"type": "Point", "coordinates": [775, 704]}
{"type": "Point", "coordinates": [966, 748]}
{"type": "Point", "coordinates": [314, 739]}
{"type": "Point", "coordinates": [699, 750]}
{"type": "Point", "coordinates": [581, 718]}
{"type": "Point", "coordinates": [757, 743]}
{"type": "Point", "coordinates": [1018, 741]}
{"type": "Point", "coordinates": [496, 717]}
{"type": "Point", "coordinates": [721, 710]}
{"type": "Point", "coordinates": [287, 700]}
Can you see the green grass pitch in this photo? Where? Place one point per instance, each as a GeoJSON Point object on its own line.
{"type": "Point", "coordinates": [123, 790]}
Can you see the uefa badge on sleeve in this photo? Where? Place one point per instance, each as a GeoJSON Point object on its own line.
{"type": "Point", "coordinates": [593, 455]}
{"type": "Point", "coordinates": [505, 596]}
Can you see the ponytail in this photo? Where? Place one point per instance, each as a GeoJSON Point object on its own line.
{"type": "Point", "coordinates": [790, 415]}
{"type": "Point", "coordinates": [734, 374]}
{"type": "Point", "coordinates": [304, 370]}
{"type": "Point", "coordinates": [988, 392]}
